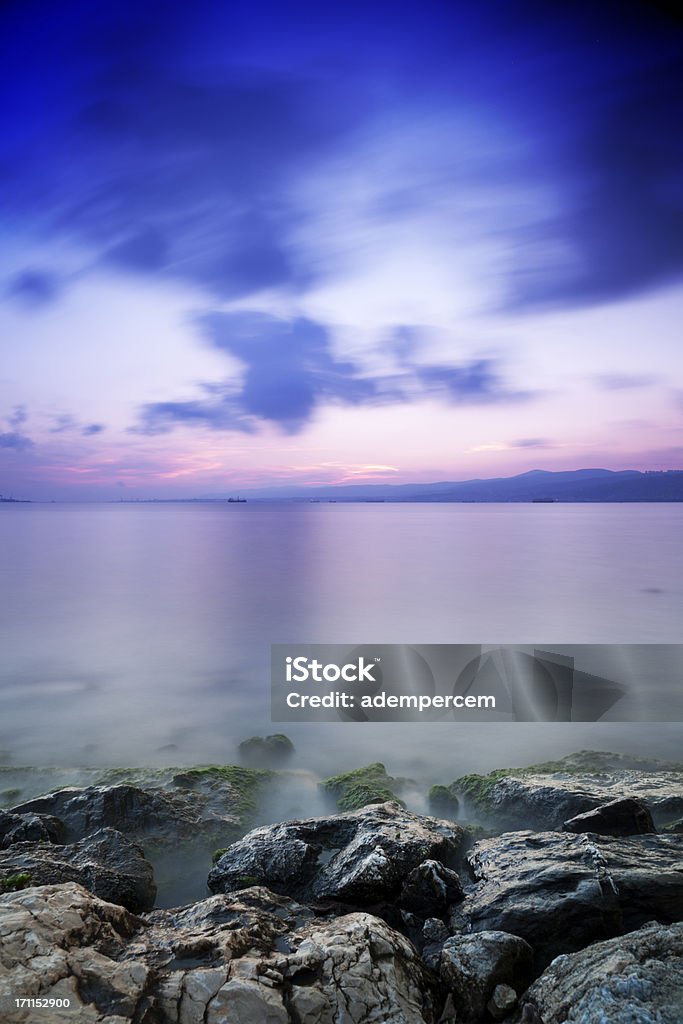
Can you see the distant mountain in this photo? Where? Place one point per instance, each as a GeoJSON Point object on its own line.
{"type": "Point", "coordinates": [536, 485]}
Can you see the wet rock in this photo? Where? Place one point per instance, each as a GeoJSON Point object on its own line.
{"type": "Point", "coordinates": [626, 817]}
{"type": "Point", "coordinates": [246, 958]}
{"type": "Point", "coordinates": [545, 796]}
{"type": "Point", "coordinates": [634, 979]}
{"type": "Point", "coordinates": [361, 858]}
{"type": "Point", "coordinates": [29, 827]}
{"type": "Point", "coordinates": [106, 863]}
{"type": "Point", "coordinates": [160, 814]}
{"type": "Point", "coordinates": [473, 966]}
{"type": "Point", "coordinates": [430, 889]}
{"type": "Point", "coordinates": [561, 891]}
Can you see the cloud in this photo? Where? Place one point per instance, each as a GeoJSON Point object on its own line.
{"type": "Point", "coordinates": [92, 428]}
{"type": "Point", "coordinates": [175, 175]}
{"type": "Point", "coordinates": [620, 231]}
{"type": "Point", "coordinates": [15, 442]}
{"type": "Point", "coordinates": [34, 288]}
{"type": "Point", "coordinates": [288, 371]}
{"type": "Point", "coordinates": [18, 416]}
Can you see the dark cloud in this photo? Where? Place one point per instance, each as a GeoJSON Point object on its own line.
{"type": "Point", "coordinates": [15, 441]}
{"type": "Point", "coordinates": [92, 428]}
{"type": "Point", "coordinates": [289, 371]}
{"type": "Point", "coordinates": [477, 381]}
{"type": "Point", "coordinates": [621, 230]}
{"type": "Point", "coordinates": [177, 177]}
{"type": "Point", "coordinates": [33, 287]}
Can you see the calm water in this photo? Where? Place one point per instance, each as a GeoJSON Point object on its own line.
{"type": "Point", "coordinates": [141, 633]}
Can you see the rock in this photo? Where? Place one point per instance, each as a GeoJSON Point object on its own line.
{"type": "Point", "coordinates": [430, 889]}
{"type": "Point", "coordinates": [361, 858]}
{"type": "Point", "coordinates": [560, 891]}
{"type": "Point", "coordinates": [625, 817]}
{"type": "Point", "coordinates": [29, 827]}
{"type": "Point", "coordinates": [443, 801]}
{"type": "Point", "coordinates": [241, 958]}
{"type": "Point", "coordinates": [634, 979]}
{"type": "Point", "coordinates": [545, 796]}
{"type": "Point", "coordinates": [137, 812]}
{"type": "Point", "coordinates": [473, 966]}
{"type": "Point", "coordinates": [363, 786]}
{"type": "Point", "coordinates": [674, 828]}
{"type": "Point", "coordinates": [271, 752]}
{"type": "Point", "coordinates": [502, 1002]}
{"type": "Point", "coordinates": [105, 863]}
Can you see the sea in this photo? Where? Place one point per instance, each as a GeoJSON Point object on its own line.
{"type": "Point", "coordinates": [140, 633]}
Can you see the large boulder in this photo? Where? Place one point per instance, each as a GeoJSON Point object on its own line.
{"type": "Point", "coordinates": [561, 891]}
{"type": "Point", "coordinates": [474, 966]}
{"type": "Point", "coordinates": [242, 958]}
{"type": "Point", "coordinates": [106, 863]}
{"type": "Point", "coordinates": [625, 817]}
{"type": "Point", "coordinates": [545, 796]}
{"type": "Point", "coordinates": [362, 858]}
{"type": "Point", "coordinates": [159, 814]}
{"type": "Point", "coordinates": [634, 979]}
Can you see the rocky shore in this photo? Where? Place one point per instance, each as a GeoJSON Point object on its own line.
{"type": "Point", "coordinates": [538, 895]}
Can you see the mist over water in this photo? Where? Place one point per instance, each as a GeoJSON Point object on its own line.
{"type": "Point", "coordinates": [140, 634]}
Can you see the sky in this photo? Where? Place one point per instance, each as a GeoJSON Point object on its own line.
{"type": "Point", "coordinates": [257, 245]}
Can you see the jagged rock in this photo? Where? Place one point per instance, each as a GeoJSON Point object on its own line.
{"type": "Point", "coordinates": [634, 979]}
{"type": "Point", "coordinates": [361, 858]}
{"type": "Point", "coordinates": [243, 959]}
{"type": "Point", "coordinates": [137, 812]}
{"type": "Point", "coordinates": [474, 965]}
{"type": "Point", "coordinates": [105, 863]}
{"type": "Point", "coordinates": [544, 796]}
{"type": "Point", "coordinates": [27, 828]}
{"type": "Point", "coordinates": [560, 891]}
{"type": "Point", "coordinates": [430, 889]}
{"type": "Point", "coordinates": [626, 817]}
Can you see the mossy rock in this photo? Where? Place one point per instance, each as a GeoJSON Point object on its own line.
{"type": "Point", "coordinates": [245, 783]}
{"type": "Point", "coordinates": [362, 786]}
{"type": "Point", "coordinates": [443, 801]}
{"type": "Point", "coordinates": [674, 828]}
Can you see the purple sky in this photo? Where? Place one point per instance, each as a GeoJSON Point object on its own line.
{"type": "Point", "coordinates": [250, 245]}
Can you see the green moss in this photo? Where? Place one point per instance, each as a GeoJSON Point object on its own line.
{"type": "Point", "coordinates": [245, 783]}
{"type": "Point", "coordinates": [479, 788]}
{"type": "Point", "coordinates": [363, 786]}
{"type": "Point", "coordinates": [217, 854]}
{"type": "Point", "coordinates": [443, 800]}
{"type": "Point", "coordinates": [13, 883]}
